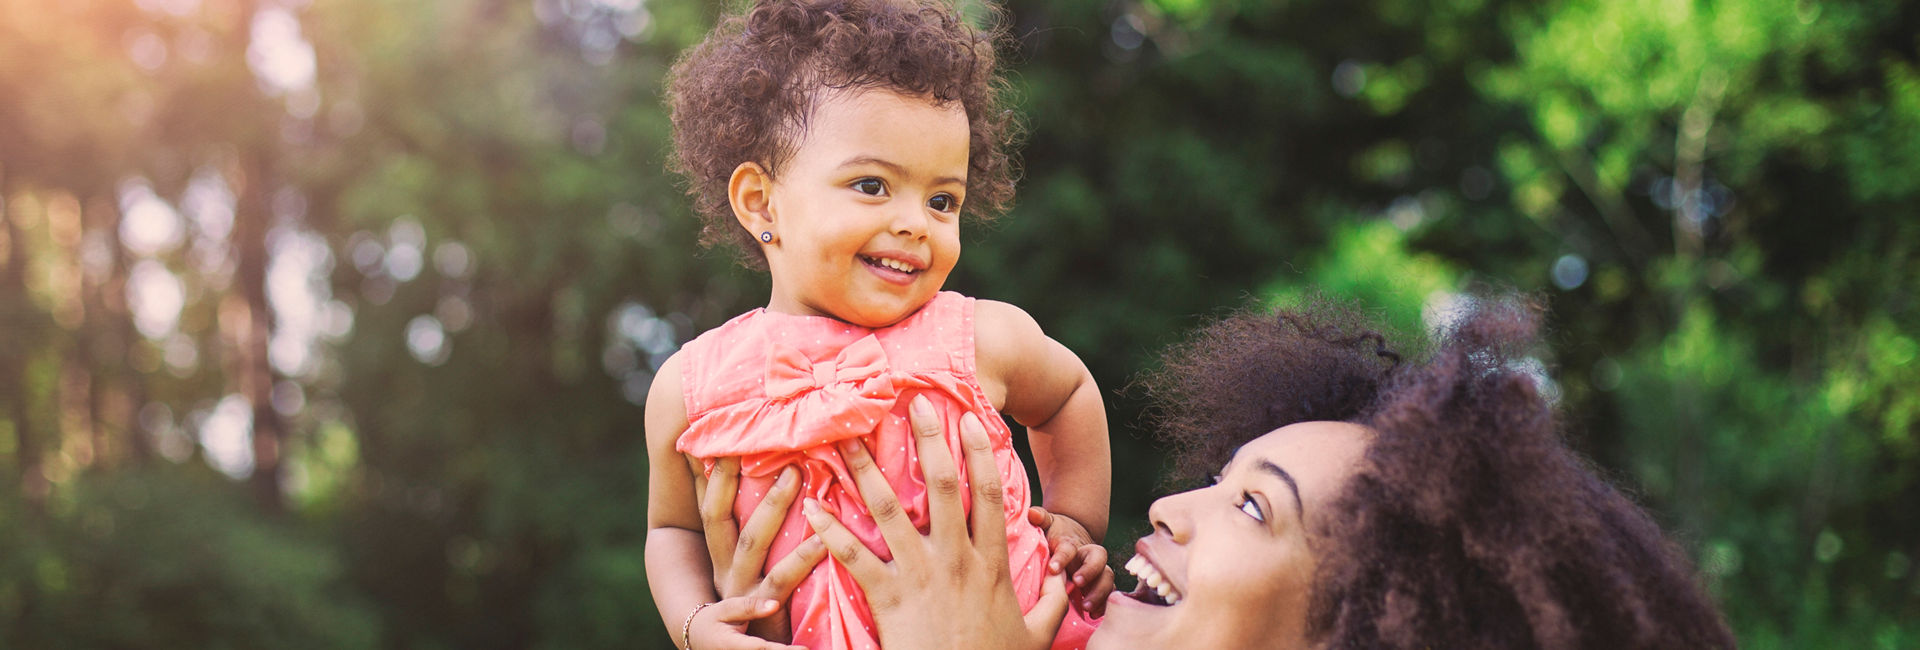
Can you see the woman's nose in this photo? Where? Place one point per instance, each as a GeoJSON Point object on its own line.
{"type": "Point", "coordinates": [1173, 515]}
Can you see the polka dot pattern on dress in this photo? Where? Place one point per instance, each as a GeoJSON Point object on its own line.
{"type": "Point", "coordinates": [930, 353]}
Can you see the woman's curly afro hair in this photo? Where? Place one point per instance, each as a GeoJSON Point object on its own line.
{"type": "Point", "coordinates": [1469, 523]}
{"type": "Point", "coordinates": [745, 93]}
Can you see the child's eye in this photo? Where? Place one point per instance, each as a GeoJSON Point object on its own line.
{"type": "Point", "coordinates": [870, 187]}
{"type": "Point", "coordinates": [944, 202]}
{"type": "Point", "coordinates": [1252, 508]}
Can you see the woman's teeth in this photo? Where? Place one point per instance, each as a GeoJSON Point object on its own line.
{"type": "Point", "coordinates": [1151, 578]}
{"type": "Point", "coordinates": [896, 265]}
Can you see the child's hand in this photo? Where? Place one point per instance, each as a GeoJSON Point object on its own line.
{"type": "Point", "coordinates": [1075, 554]}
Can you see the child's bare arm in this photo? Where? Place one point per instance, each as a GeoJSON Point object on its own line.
{"type": "Point", "coordinates": [679, 573]}
{"type": "Point", "coordinates": [1042, 385]}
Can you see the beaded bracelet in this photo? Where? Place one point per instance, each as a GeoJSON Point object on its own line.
{"type": "Point", "coordinates": [686, 629]}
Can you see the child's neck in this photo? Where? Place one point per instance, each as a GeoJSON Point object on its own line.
{"type": "Point", "coordinates": [782, 304]}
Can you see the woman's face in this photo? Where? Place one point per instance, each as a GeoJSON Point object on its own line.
{"type": "Point", "coordinates": [1233, 558]}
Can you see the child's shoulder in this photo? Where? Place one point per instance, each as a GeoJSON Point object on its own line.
{"type": "Point", "coordinates": [1001, 318]}
{"type": "Point", "coordinates": [666, 409]}
{"type": "Point", "coordinates": [1004, 336]}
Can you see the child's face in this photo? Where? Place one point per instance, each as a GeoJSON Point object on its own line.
{"type": "Point", "coordinates": [866, 213]}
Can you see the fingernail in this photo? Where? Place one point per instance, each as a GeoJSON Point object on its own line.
{"type": "Point", "coordinates": [786, 479]}
{"type": "Point", "coordinates": [1078, 580]}
{"type": "Point", "coordinates": [769, 605]}
{"type": "Point", "coordinates": [1053, 567]}
{"type": "Point", "coordinates": [810, 507]}
{"type": "Point", "coordinates": [921, 406]}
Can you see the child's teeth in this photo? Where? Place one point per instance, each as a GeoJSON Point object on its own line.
{"type": "Point", "coordinates": [896, 265]}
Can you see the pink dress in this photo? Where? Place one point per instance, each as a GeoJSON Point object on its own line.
{"type": "Point", "coordinates": [779, 390]}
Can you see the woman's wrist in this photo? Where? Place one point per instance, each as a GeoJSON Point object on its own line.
{"type": "Point", "coordinates": [686, 628]}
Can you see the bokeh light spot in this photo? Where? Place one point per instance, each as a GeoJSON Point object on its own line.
{"type": "Point", "coordinates": [427, 340]}
{"type": "Point", "coordinates": [1569, 272]}
{"type": "Point", "coordinates": [155, 296]}
{"type": "Point", "coordinates": [226, 433]}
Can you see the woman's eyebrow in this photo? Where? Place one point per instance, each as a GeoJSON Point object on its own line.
{"type": "Point", "coordinates": [1267, 466]}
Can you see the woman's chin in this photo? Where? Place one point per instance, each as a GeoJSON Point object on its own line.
{"type": "Point", "coordinates": [1129, 623]}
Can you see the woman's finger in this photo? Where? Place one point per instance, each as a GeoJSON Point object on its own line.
{"type": "Point", "coordinates": [1043, 621]}
{"type": "Point", "coordinates": [989, 526]}
{"type": "Point", "coordinates": [698, 470]}
{"type": "Point", "coordinates": [741, 611]}
{"type": "Point", "coordinates": [716, 514]}
{"type": "Point", "coordinates": [882, 504]}
{"type": "Point", "coordinates": [843, 546]}
{"type": "Point", "coordinates": [750, 552]}
{"type": "Point", "coordinates": [787, 573]}
{"type": "Point", "coordinates": [936, 465]}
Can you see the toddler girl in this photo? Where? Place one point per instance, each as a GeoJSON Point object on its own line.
{"type": "Point", "coordinates": [838, 142]}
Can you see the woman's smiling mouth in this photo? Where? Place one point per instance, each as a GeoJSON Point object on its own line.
{"type": "Point", "coordinates": [1154, 588]}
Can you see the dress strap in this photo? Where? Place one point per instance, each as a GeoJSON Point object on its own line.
{"type": "Point", "coordinates": [957, 333]}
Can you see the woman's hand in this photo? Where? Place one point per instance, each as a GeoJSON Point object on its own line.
{"type": "Point", "coordinates": [950, 588]}
{"type": "Point", "coordinates": [750, 603]}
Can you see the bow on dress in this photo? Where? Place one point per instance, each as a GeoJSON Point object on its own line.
{"type": "Point", "coordinates": [807, 405]}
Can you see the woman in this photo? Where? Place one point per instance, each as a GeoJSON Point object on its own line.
{"type": "Point", "coordinates": [1362, 503]}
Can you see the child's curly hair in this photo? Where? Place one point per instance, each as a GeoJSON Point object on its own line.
{"type": "Point", "coordinates": [745, 93]}
{"type": "Point", "coordinates": [1469, 523]}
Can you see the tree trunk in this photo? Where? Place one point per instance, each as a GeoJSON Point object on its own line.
{"type": "Point", "coordinates": [25, 326]}
{"type": "Point", "coordinates": [254, 375]}
{"type": "Point", "coordinates": [118, 402]}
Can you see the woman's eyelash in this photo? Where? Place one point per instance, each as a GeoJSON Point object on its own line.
{"type": "Point", "coordinates": [1246, 500]}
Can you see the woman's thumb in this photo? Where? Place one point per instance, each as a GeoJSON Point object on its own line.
{"type": "Point", "coordinates": [741, 609]}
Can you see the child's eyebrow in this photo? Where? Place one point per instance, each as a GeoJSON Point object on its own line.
{"type": "Point", "coordinates": [896, 169]}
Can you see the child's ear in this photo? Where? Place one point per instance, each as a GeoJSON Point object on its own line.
{"type": "Point", "coordinates": [750, 191]}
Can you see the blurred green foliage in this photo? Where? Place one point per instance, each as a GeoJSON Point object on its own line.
{"type": "Point", "coordinates": [413, 264]}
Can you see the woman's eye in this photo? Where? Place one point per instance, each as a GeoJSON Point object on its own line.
{"type": "Point", "coordinates": [943, 203]}
{"type": "Point", "coordinates": [1252, 508]}
{"type": "Point", "coordinates": [870, 187]}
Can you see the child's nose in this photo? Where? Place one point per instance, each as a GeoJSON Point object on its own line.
{"type": "Point", "coordinates": [910, 221]}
